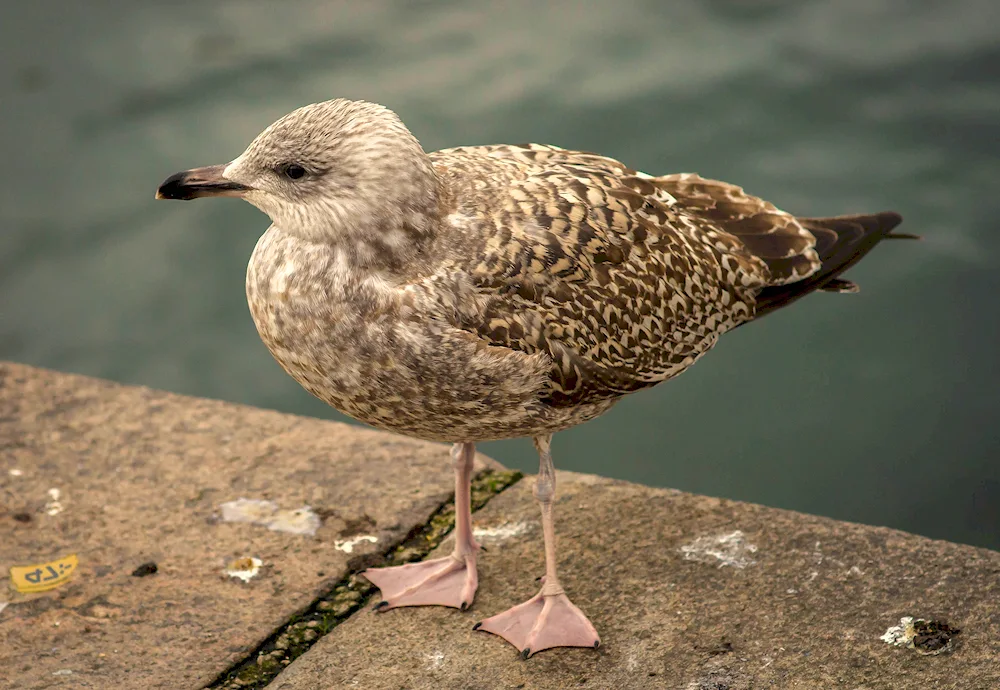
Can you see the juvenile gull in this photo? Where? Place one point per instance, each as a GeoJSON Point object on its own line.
{"type": "Point", "coordinates": [491, 292]}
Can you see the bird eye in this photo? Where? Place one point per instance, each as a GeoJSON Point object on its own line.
{"type": "Point", "coordinates": [293, 171]}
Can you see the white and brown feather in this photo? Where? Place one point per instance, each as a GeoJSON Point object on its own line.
{"type": "Point", "coordinates": [623, 280]}
{"type": "Point", "coordinates": [548, 283]}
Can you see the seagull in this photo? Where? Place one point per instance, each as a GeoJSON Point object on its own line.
{"type": "Point", "coordinates": [490, 292]}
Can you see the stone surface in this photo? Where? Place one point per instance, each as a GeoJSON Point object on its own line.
{"type": "Point", "coordinates": [688, 592]}
{"type": "Point", "coordinates": [141, 475]}
{"type": "Point", "coordinates": [691, 593]}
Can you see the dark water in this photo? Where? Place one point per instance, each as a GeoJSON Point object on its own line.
{"type": "Point", "coordinates": [879, 407]}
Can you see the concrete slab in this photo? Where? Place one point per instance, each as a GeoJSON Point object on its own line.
{"type": "Point", "coordinates": [691, 593]}
{"type": "Point", "coordinates": [126, 477]}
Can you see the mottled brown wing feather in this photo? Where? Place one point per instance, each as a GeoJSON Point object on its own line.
{"type": "Point", "coordinates": [776, 237]}
{"type": "Point", "coordinates": [604, 269]}
{"type": "Point", "coordinates": [621, 278]}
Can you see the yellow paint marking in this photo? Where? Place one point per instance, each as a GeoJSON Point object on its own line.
{"type": "Point", "coordinates": [43, 577]}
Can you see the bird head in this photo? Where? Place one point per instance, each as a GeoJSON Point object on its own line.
{"type": "Point", "coordinates": [343, 172]}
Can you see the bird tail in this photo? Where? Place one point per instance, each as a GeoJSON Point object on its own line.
{"type": "Point", "coordinates": [841, 241]}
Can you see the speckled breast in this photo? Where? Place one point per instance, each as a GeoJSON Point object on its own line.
{"type": "Point", "coordinates": [321, 326]}
{"type": "Point", "coordinates": [347, 341]}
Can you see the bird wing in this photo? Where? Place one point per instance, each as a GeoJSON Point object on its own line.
{"type": "Point", "coordinates": [622, 279]}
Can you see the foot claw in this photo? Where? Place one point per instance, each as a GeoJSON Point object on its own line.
{"type": "Point", "coordinates": [525, 653]}
{"type": "Point", "coordinates": [379, 606]}
{"type": "Point", "coordinates": [464, 606]}
{"type": "Point", "coordinates": [477, 625]}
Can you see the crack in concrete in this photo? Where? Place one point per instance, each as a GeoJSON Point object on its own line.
{"type": "Point", "coordinates": [351, 593]}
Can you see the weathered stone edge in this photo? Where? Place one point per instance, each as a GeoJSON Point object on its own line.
{"type": "Point", "coordinates": [352, 592]}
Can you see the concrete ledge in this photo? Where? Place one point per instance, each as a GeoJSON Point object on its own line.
{"type": "Point", "coordinates": [688, 592]}
{"type": "Point", "coordinates": [140, 476]}
{"type": "Point", "coordinates": [692, 593]}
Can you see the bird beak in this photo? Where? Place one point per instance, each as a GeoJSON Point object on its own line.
{"type": "Point", "coordinates": [198, 182]}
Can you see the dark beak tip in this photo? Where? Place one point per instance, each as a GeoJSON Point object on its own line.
{"type": "Point", "coordinates": [174, 188]}
{"type": "Point", "coordinates": [198, 182]}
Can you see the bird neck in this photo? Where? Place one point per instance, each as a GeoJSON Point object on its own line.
{"type": "Point", "coordinates": [388, 243]}
{"type": "Point", "coordinates": [391, 239]}
{"type": "Point", "coordinates": [384, 233]}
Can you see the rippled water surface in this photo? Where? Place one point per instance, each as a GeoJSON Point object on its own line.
{"type": "Point", "coordinates": [879, 407]}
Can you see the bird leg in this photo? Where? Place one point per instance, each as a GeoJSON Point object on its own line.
{"type": "Point", "coordinates": [548, 619]}
{"type": "Point", "coordinates": [449, 581]}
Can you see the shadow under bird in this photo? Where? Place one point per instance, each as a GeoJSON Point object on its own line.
{"type": "Point", "coordinates": [491, 292]}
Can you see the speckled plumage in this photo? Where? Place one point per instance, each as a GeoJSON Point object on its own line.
{"type": "Point", "coordinates": [497, 291]}
{"type": "Point", "coordinates": [543, 285]}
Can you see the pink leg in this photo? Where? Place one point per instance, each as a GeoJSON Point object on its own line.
{"type": "Point", "coordinates": [548, 619]}
{"type": "Point", "coordinates": [449, 581]}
